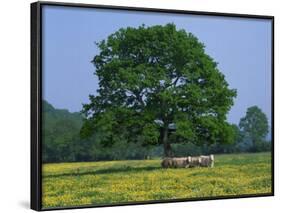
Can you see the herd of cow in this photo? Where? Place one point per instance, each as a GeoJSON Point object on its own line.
{"type": "Point", "coordinates": [189, 162]}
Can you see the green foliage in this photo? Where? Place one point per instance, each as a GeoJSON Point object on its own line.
{"type": "Point", "coordinates": [152, 77]}
{"type": "Point", "coordinates": [59, 134]}
{"type": "Point", "coordinates": [254, 126]}
{"type": "Point", "coordinates": [62, 143]}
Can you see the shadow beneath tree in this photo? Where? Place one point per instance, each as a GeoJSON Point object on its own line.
{"type": "Point", "coordinates": [112, 170]}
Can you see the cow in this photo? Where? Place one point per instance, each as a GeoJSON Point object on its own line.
{"type": "Point", "coordinates": [194, 161]}
{"type": "Point", "coordinates": [175, 162]}
{"type": "Point", "coordinates": [180, 162]}
{"type": "Point", "coordinates": [167, 163]}
{"type": "Point", "coordinates": [207, 161]}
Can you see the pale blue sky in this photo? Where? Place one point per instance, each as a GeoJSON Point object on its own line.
{"type": "Point", "coordinates": [241, 46]}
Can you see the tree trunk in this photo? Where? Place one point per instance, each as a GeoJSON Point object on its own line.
{"type": "Point", "coordinates": [165, 140]}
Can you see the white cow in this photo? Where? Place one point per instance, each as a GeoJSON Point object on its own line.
{"type": "Point", "coordinates": [189, 162]}
{"type": "Point", "coordinates": [207, 161]}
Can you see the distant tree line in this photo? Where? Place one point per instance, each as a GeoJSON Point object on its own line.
{"type": "Point", "coordinates": [62, 141]}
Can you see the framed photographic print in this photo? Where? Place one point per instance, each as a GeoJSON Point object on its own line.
{"type": "Point", "coordinates": [141, 105]}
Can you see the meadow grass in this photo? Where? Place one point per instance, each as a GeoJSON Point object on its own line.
{"type": "Point", "coordinates": [110, 182]}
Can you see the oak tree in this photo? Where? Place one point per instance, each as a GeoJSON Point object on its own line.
{"type": "Point", "coordinates": [157, 85]}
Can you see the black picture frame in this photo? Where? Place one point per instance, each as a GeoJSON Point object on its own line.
{"type": "Point", "coordinates": [36, 98]}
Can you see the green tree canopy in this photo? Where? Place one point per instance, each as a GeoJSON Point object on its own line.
{"type": "Point", "coordinates": [60, 133]}
{"type": "Point", "coordinates": [254, 125]}
{"type": "Point", "coordinates": [153, 80]}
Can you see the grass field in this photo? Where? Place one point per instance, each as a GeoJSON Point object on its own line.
{"type": "Point", "coordinates": [74, 184]}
